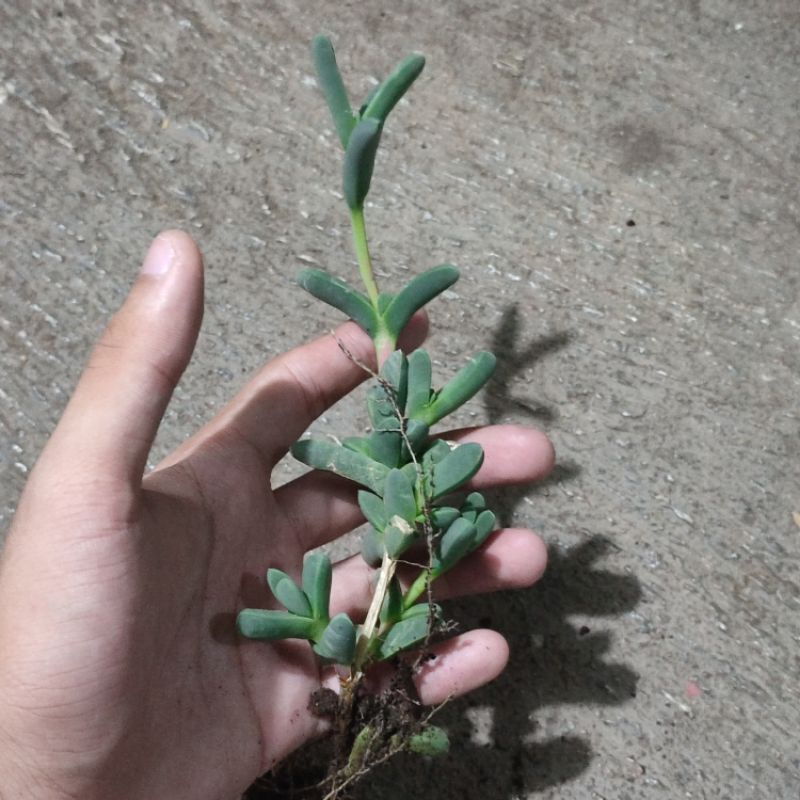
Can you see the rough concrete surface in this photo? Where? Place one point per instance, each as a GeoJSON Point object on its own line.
{"type": "Point", "coordinates": [618, 183]}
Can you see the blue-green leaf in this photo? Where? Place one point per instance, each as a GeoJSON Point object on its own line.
{"type": "Point", "coordinates": [359, 161]}
{"type": "Point", "coordinates": [397, 538]}
{"type": "Point", "coordinates": [416, 436]}
{"type": "Point", "coordinates": [422, 609]}
{"type": "Point", "coordinates": [258, 623]}
{"type": "Point", "coordinates": [323, 454]}
{"type": "Point", "coordinates": [484, 525]}
{"type": "Point", "coordinates": [288, 593]}
{"type": "Point", "coordinates": [338, 641]}
{"type": "Point", "coordinates": [317, 574]}
{"type": "Point", "coordinates": [330, 81]}
{"type": "Point", "coordinates": [454, 470]}
{"type": "Point", "coordinates": [460, 388]}
{"type": "Point", "coordinates": [393, 88]}
{"type": "Point", "coordinates": [373, 509]}
{"type": "Point", "coordinates": [398, 497]}
{"type": "Point", "coordinates": [372, 548]}
{"type": "Point", "coordinates": [457, 541]}
{"type": "Point", "coordinates": [405, 634]}
{"type": "Point", "coordinates": [417, 292]}
{"type": "Point", "coordinates": [385, 446]}
{"type": "Point", "coordinates": [339, 294]}
{"type": "Point", "coordinates": [444, 516]}
{"type": "Point", "coordinates": [419, 382]}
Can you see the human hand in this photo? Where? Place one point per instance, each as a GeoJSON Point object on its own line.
{"type": "Point", "coordinates": [120, 673]}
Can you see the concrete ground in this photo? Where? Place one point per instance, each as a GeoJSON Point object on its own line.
{"type": "Point", "coordinates": [618, 183]}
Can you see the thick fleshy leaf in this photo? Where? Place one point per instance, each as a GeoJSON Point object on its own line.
{"type": "Point", "coordinates": [432, 741]}
{"type": "Point", "coordinates": [422, 609]}
{"type": "Point", "coordinates": [454, 470]}
{"type": "Point", "coordinates": [373, 509]}
{"type": "Point", "coordinates": [288, 593]}
{"type": "Point", "coordinates": [258, 623]}
{"type": "Point", "coordinates": [330, 81]}
{"type": "Point", "coordinates": [382, 409]}
{"type": "Point", "coordinates": [444, 516]}
{"type": "Point", "coordinates": [416, 436]}
{"type": "Point", "coordinates": [360, 748]}
{"type": "Point", "coordinates": [394, 87]}
{"type": "Point", "coordinates": [339, 294]}
{"type": "Point", "coordinates": [437, 450]}
{"type": "Point", "coordinates": [398, 537]}
{"type": "Point", "coordinates": [317, 575]}
{"type": "Point", "coordinates": [385, 447]}
{"type": "Point", "coordinates": [395, 373]}
{"type": "Point", "coordinates": [327, 455]}
{"type": "Point", "coordinates": [372, 548]}
{"type": "Point", "coordinates": [359, 161]}
{"type": "Point", "coordinates": [457, 541]}
{"type": "Point", "coordinates": [405, 634]}
{"type": "Point", "coordinates": [484, 525]}
{"type": "Point", "coordinates": [460, 388]}
{"type": "Point", "coordinates": [419, 382]}
{"type": "Point", "coordinates": [392, 609]}
{"type": "Point", "coordinates": [358, 444]}
{"type": "Point", "coordinates": [338, 641]}
{"type": "Point", "coordinates": [417, 292]}
{"type": "Point", "coordinates": [398, 497]}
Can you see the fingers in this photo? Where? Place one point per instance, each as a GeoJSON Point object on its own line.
{"type": "Point", "coordinates": [273, 410]}
{"type": "Point", "coordinates": [511, 558]}
{"type": "Point", "coordinates": [323, 507]}
{"type": "Point", "coordinates": [455, 667]}
{"type": "Point", "coordinates": [110, 422]}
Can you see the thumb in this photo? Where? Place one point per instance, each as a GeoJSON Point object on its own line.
{"type": "Point", "coordinates": [109, 424]}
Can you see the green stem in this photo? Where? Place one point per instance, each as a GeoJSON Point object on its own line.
{"type": "Point", "coordinates": [419, 586]}
{"type": "Point", "coordinates": [362, 253]}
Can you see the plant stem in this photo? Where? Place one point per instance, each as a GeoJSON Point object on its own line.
{"type": "Point", "coordinates": [388, 567]}
{"type": "Point", "coordinates": [417, 588]}
{"type": "Point", "coordinates": [362, 253]}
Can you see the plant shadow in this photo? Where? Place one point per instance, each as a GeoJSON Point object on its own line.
{"type": "Point", "coordinates": [504, 750]}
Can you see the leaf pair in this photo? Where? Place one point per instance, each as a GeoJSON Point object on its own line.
{"type": "Point", "coordinates": [307, 615]}
{"type": "Point", "coordinates": [393, 311]}
{"type": "Point", "coordinates": [428, 406]}
{"type": "Point", "coordinates": [360, 132]}
{"type": "Point", "coordinates": [410, 631]}
{"type": "Point", "coordinates": [463, 536]}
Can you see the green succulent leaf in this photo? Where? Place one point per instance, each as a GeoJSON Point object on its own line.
{"type": "Point", "coordinates": [385, 446]}
{"type": "Point", "coordinates": [395, 373]}
{"type": "Point", "coordinates": [434, 453]}
{"type": "Point", "coordinates": [454, 470]}
{"type": "Point", "coordinates": [484, 525]}
{"type": "Point", "coordinates": [338, 641]}
{"type": "Point", "coordinates": [432, 741]}
{"type": "Point", "coordinates": [323, 454]}
{"type": "Point", "coordinates": [359, 161]}
{"type": "Point", "coordinates": [422, 610]}
{"type": "Point", "coordinates": [398, 537]}
{"type": "Point", "coordinates": [339, 294]}
{"type": "Point", "coordinates": [417, 292]}
{"type": "Point", "coordinates": [317, 574]}
{"type": "Point", "coordinates": [372, 548]}
{"type": "Point", "coordinates": [392, 609]}
{"type": "Point", "coordinates": [419, 382]}
{"type": "Point", "coordinates": [457, 541]}
{"type": "Point", "coordinates": [358, 444]}
{"type": "Point", "coordinates": [360, 748]}
{"type": "Point", "coordinates": [288, 593]}
{"type": "Point", "coordinates": [330, 81]}
{"type": "Point", "coordinates": [405, 634]}
{"type": "Point", "coordinates": [258, 623]}
{"type": "Point", "coordinates": [444, 516]}
{"type": "Point", "coordinates": [416, 436]}
{"type": "Point", "coordinates": [373, 509]}
{"type": "Point", "coordinates": [398, 497]}
{"type": "Point", "coordinates": [393, 88]}
{"type": "Point", "coordinates": [460, 388]}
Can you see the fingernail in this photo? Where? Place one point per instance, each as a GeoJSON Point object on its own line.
{"type": "Point", "coordinates": [159, 258]}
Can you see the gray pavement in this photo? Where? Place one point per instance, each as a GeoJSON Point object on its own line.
{"type": "Point", "coordinates": [618, 183]}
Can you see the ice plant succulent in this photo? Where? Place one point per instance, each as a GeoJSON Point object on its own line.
{"type": "Point", "coordinates": [408, 476]}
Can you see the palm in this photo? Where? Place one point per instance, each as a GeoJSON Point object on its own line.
{"type": "Point", "coordinates": [121, 673]}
